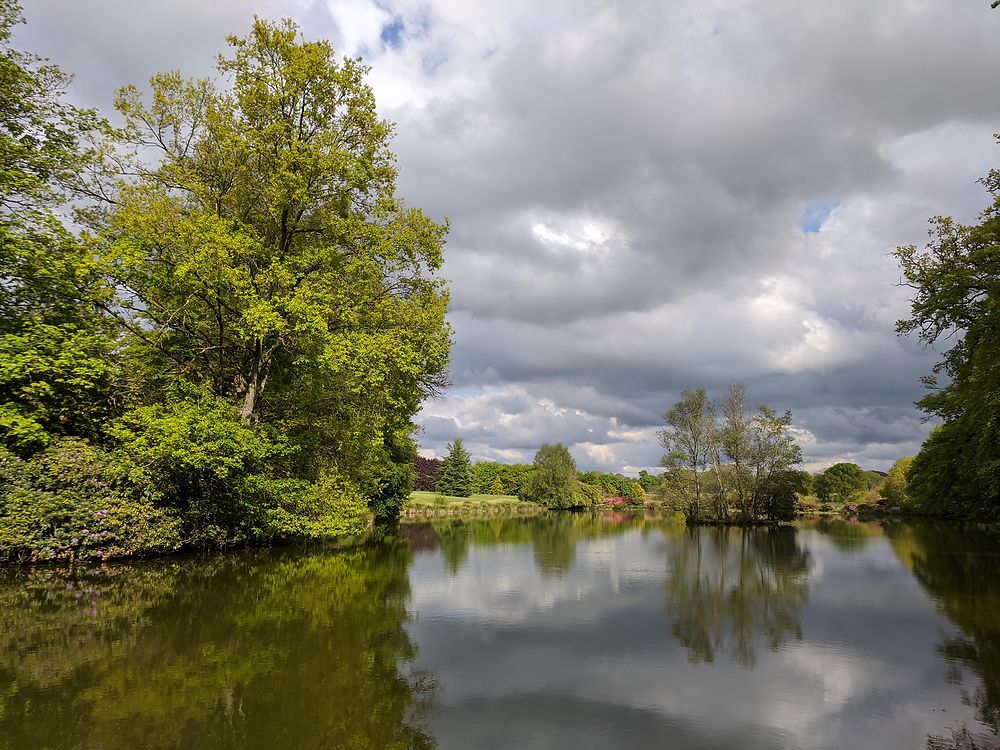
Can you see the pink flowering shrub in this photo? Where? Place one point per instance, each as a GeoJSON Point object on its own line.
{"type": "Point", "coordinates": [63, 504]}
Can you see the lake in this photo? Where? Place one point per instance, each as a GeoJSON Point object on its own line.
{"type": "Point", "coordinates": [559, 631]}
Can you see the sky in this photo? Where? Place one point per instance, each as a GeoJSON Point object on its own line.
{"type": "Point", "coordinates": [643, 196]}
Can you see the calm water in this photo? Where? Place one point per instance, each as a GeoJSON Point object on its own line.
{"type": "Point", "coordinates": [564, 631]}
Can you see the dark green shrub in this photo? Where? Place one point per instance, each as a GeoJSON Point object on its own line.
{"type": "Point", "coordinates": [201, 457]}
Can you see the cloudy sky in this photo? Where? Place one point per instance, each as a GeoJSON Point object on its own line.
{"type": "Point", "coordinates": [643, 196]}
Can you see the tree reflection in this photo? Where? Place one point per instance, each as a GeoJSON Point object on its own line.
{"type": "Point", "coordinates": [729, 587]}
{"type": "Point", "coordinates": [848, 535]}
{"type": "Point", "coordinates": [256, 650]}
{"type": "Point", "coordinates": [553, 536]}
{"type": "Point", "coordinates": [959, 566]}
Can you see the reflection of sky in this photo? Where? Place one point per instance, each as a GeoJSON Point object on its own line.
{"type": "Point", "coordinates": [587, 659]}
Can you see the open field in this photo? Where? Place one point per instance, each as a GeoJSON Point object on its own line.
{"type": "Point", "coordinates": [432, 503]}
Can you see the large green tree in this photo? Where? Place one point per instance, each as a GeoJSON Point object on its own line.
{"type": "Point", "coordinates": [956, 285]}
{"type": "Point", "coordinates": [689, 442]}
{"type": "Point", "coordinates": [262, 255]}
{"type": "Point", "coordinates": [552, 481]}
{"type": "Point", "coordinates": [839, 481]}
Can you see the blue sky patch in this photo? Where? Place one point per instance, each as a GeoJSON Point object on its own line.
{"type": "Point", "coordinates": [392, 33]}
{"type": "Point", "coordinates": [814, 216]}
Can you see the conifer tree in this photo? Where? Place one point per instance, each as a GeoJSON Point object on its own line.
{"type": "Point", "coordinates": [456, 472]}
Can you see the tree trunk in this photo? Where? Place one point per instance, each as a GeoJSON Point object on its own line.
{"type": "Point", "coordinates": [253, 382]}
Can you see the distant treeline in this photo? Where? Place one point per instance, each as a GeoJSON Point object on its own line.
{"type": "Point", "coordinates": [841, 484]}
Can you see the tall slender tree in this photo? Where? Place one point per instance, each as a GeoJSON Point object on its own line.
{"type": "Point", "coordinates": [689, 441]}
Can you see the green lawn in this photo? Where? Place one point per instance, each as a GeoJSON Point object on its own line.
{"type": "Point", "coordinates": [421, 503]}
{"type": "Point", "coordinates": [418, 497]}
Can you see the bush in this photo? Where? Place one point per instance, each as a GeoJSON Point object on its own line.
{"type": "Point", "coordinates": [68, 502]}
{"type": "Point", "coordinates": [202, 458]}
{"type": "Point", "coordinates": [587, 495]}
{"type": "Point", "coordinates": [330, 507]}
{"type": "Point", "coordinates": [669, 497]}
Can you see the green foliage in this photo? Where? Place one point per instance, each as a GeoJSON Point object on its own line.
{"type": "Point", "coordinates": [688, 442]}
{"type": "Point", "coordinates": [389, 478]}
{"type": "Point", "coordinates": [330, 507]}
{"type": "Point", "coordinates": [648, 481]}
{"type": "Point", "coordinates": [64, 503]}
{"type": "Point", "coordinates": [587, 495]}
{"type": "Point", "coordinates": [456, 472]}
{"type": "Point", "coordinates": [837, 482]}
{"type": "Point", "coordinates": [512, 476]}
{"type": "Point", "coordinates": [801, 481]}
{"type": "Point", "coordinates": [956, 287]}
{"type": "Point", "coordinates": [553, 481]}
{"type": "Point", "coordinates": [298, 271]}
{"type": "Point", "coordinates": [895, 489]}
{"type": "Point", "coordinates": [778, 496]}
{"type": "Point", "coordinates": [941, 479]}
{"type": "Point", "coordinates": [497, 488]}
{"type": "Point", "coordinates": [612, 485]}
{"type": "Point", "coordinates": [750, 453]}
{"type": "Point", "coordinates": [55, 362]}
{"type": "Point", "coordinates": [874, 479]}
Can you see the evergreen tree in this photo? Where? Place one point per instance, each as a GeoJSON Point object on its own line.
{"type": "Point", "coordinates": [456, 472]}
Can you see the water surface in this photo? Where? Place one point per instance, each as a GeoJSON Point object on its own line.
{"type": "Point", "coordinates": [566, 630]}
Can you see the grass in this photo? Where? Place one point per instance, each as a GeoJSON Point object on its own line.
{"type": "Point", "coordinates": [432, 503]}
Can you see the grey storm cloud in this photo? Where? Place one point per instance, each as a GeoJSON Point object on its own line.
{"type": "Point", "coordinates": [644, 197]}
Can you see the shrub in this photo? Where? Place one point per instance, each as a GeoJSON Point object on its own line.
{"type": "Point", "coordinates": [330, 507]}
{"type": "Point", "coordinates": [202, 458]}
{"type": "Point", "coordinates": [69, 502]}
{"type": "Point", "coordinates": [587, 495]}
